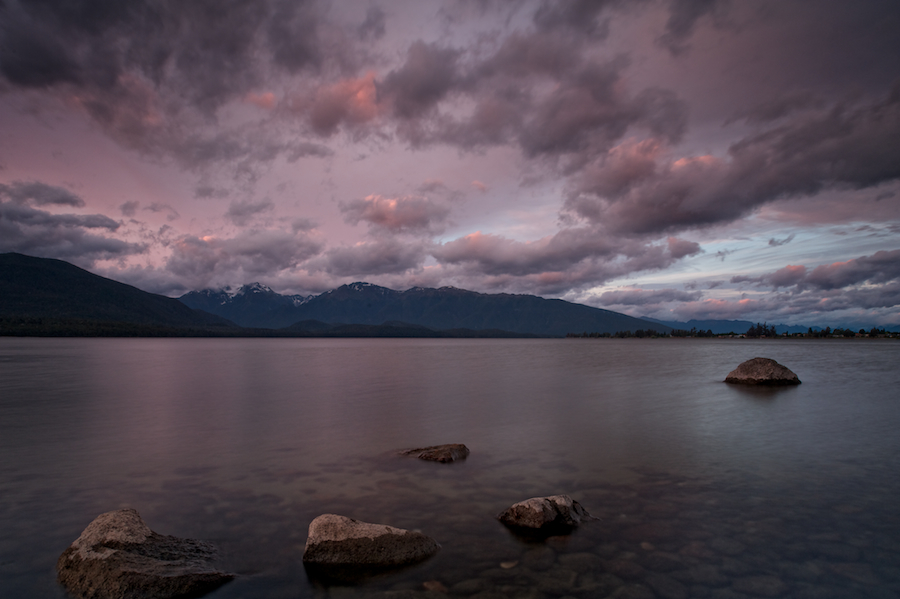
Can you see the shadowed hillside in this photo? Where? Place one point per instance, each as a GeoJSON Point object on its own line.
{"type": "Point", "coordinates": [43, 288]}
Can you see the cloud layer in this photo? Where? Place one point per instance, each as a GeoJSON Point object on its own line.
{"type": "Point", "coordinates": [561, 148]}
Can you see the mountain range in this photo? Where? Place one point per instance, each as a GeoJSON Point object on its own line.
{"type": "Point", "coordinates": [53, 297]}
{"type": "Point", "coordinates": [446, 308]}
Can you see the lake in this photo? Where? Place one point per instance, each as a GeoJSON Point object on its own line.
{"type": "Point", "coordinates": [702, 489]}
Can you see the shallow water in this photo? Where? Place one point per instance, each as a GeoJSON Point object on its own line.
{"type": "Point", "coordinates": [702, 489]}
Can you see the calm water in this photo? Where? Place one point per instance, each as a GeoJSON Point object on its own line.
{"type": "Point", "coordinates": [703, 489]}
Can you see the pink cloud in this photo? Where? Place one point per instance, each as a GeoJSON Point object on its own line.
{"type": "Point", "coordinates": [265, 100]}
{"type": "Point", "coordinates": [409, 213]}
{"type": "Point", "coordinates": [351, 102]}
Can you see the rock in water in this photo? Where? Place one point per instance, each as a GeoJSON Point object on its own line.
{"type": "Point", "coordinates": [341, 541]}
{"type": "Point", "coordinates": [556, 511]}
{"type": "Point", "coordinates": [118, 557]}
{"type": "Point", "coordinates": [762, 371]}
{"type": "Point", "coordinates": [439, 453]}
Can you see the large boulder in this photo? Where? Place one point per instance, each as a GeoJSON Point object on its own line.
{"type": "Point", "coordinates": [118, 557]}
{"type": "Point", "coordinates": [439, 453]}
{"type": "Point", "coordinates": [762, 371]}
{"type": "Point", "coordinates": [342, 541]}
{"type": "Point", "coordinates": [544, 513]}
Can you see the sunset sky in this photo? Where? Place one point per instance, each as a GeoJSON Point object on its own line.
{"type": "Point", "coordinates": [672, 158]}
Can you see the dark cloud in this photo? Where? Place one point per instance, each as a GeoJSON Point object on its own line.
{"type": "Point", "coordinates": [242, 212]}
{"type": "Point", "coordinates": [40, 194]}
{"type": "Point", "coordinates": [168, 209]}
{"type": "Point", "coordinates": [302, 224]}
{"type": "Point", "coordinates": [579, 17]}
{"type": "Point", "coordinates": [409, 213]}
{"type": "Point", "coordinates": [881, 267]}
{"type": "Point", "coordinates": [541, 95]}
{"type": "Point", "coordinates": [778, 242]}
{"type": "Point", "coordinates": [786, 277]}
{"type": "Point", "coordinates": [129, 208]}
{"type": "Point", "coordinates": [531, 53]}
{"type": "Point", "coordinates": [429, 73]}
{"type": "Point", "coordinates": [683, 17]}
{"type": "Point", "coordinates": [374, 257]}
{"type": "Point", "coordinates": [199, 263]}
{"type": "Point", "coordinates": [374, 25]}
{"type": "Point", "coordinates": [293, 35]}
{"type": "Point", "coordinates": [781, 107]}
{"type": "Point", "coordinates": [21, 214]}
{"type": "Point", "coordinates": [81, 238]}
{"type": "Point", "coordinates": [840, 148]}
{"type": "Point", "coordinates": [572, 258]}
{"type": "Point", "coordinates": [811, 307]}
{"type": "Point", "coordinates": [209, 191]}
{"type": "Point", "coordinates": [681, 248]}
{"type": "Point", "coordinates": [644, 297]}
{"type": "Point", "coordinates": [154, 74]}
{"type": "Point", "coordinates": [584, 111]}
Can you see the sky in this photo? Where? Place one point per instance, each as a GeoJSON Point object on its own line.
{"type": "Point", "coordinates": [678, 159]}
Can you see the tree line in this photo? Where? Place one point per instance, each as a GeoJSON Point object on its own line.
{"type": "Point", "coordinates": [643, 333]}
{"type": "Point", "coordinates": [754, 332]}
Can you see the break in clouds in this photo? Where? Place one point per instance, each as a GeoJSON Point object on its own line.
{"type": "Point", "coordinates": [321, 143]}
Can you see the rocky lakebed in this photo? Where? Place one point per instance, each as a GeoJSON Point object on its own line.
{"type": "Point", "coordinates": [662, 535]}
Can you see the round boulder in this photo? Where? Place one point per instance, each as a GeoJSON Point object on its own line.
{"type": "Point", "coordinates": [762, 371]}
{"type": "Point", "coordinates": [118, 556]}
{"type": "Point", "coordinates": [555, 511]}
{"type": "Point", "coordinates": [339, 540]}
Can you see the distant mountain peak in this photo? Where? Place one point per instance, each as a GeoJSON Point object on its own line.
{"type": "Point", "coordinates": [254, 288]}
{"type": "Point", "coordinates": [362, 285]}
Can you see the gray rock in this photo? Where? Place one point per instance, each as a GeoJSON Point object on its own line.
{"type": "Point", "coordinates": [554, 511]}
{"type": "Point", "coordinates": [439, 453]}
{"type": "Point", "coordinates": [118, 556]}
{"type": "Point", "coordinates": [338, 540]}
{"type": "Point", "coordinates": [762, 371]}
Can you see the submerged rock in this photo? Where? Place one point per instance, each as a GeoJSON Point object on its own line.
{"type": "Point", "coordinates": [342, 541]}
{"type": "Point", "coordinates": [117, 556]}
{"type": "Point", "coordinates": [439, 453]}
{"type": "Point", "coordinates": [555, 511]}
{"type": "Point", "coordinates": [762, 371]}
